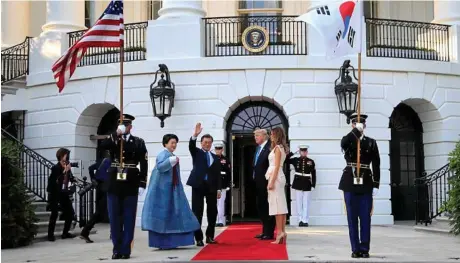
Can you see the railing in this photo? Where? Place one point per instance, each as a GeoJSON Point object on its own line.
{"type": "Point", "coordinates": [37, 169]}
{"type": "Point", "coordinates": [15, 61]}
{"type": "Point", "coordinates": [223, 35]}
{"type": "Point", "coordinates": [16, 129]}
{"type": "Point", "coordinates": [406, 39]}
{"type": "Point", "coordinates": [134, 48]}
{"type": "Point", "coordinates": [432, 193]}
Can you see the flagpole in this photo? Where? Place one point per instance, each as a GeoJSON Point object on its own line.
{"type": "Point", "coordinates": [358, 158]}
{"type": "Point", "coordinates": [122, 57]}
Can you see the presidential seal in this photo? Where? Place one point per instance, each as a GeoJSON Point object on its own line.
{"type": "Point", "coordinates": [255, 39]}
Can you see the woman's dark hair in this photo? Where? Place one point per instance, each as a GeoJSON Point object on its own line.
{"type": "Point", "coordinates": [61, 152]}
{"type": "Point", "coordinates": [279, 139]}
{"type": "Point", "coordinates": [168, 137]}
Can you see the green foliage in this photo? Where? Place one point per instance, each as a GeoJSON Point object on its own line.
{"type": "Point", "coordinates": [18, 215]}
{"type": "Point", "coordinates": [453, 204]}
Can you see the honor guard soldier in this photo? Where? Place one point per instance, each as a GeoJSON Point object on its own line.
{"type": "Point", "coordinates": [125, 183]}
{"type": "Point", "coordinates": [225, 173]}
{"type": "Point", "coordinates": [304, 182]}
{"type": "Point", "coordinates": [359, 188]}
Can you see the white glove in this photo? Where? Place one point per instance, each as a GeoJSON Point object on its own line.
{"type": "Point", "coordinates": [121, 129]}
{"type": "Point", "coordinates": [360, 127]}
{"type": "Point", "coordinates": [312, 188]}
{"type": "Point", "coordinates": [375, 191]}
{"type": "Point", "coordinates": [141, 190]}
{"type": "Point", "coordinates": [227, 189]}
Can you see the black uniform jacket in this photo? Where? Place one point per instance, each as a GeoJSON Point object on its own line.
{"type": "Point", "coordinates": [303, 166]}
{"type": "Point", "coordinates": [201, 169]}
{"type": "Point", "coordinates": [135, 153]}
{"type": "Point", "coordinates": [369, 156]}
{"type": "Point", "coordinates": [56, 179]}
{"type": "Point", "coordinates": [225, 171]}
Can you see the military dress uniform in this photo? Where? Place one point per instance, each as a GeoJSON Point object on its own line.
{"type": "Point", "coordinates": [124, 186]}
{"type": "Point", "coordinates": [359, 188]}
{"type": "Point", "coordinates": [304, 182]}
{"type": "Point", "coordinates": [226, 178]}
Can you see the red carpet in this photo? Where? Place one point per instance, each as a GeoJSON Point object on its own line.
{"type": "Point", "coordinates": [237, 242]}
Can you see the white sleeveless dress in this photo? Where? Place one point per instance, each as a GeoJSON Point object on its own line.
{"type": "Point", "coordinates": [277, 204]}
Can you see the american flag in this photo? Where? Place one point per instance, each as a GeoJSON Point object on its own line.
{"type": "Point", "coordinates": [108, 31]}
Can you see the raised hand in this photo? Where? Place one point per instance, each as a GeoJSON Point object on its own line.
{"type": "Point", "coordinates": [198, 129]}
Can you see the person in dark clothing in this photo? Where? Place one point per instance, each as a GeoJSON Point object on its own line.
{"type": "Point", "coordinates": [99, 180]}
{"type": "Point", "coordinates": [59, 194]}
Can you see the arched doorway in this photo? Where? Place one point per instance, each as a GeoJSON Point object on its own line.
{"type": "Point", "coordinates": [406, 160]}
{"type": "Point", "coordinates": [241, 148]}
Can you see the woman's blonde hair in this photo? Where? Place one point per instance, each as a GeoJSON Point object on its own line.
{"type": "Point", "coordinates": [279, 138]}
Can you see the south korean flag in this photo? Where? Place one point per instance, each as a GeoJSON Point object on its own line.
{"type": "Point", "coordinates": [339, 23]}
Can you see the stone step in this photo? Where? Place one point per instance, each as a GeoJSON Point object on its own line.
{"type": "Point", "coordinates": [34, 197]}
{"type": "Point", "coordinates": [39, 206]}
{"type": "Point", "coordinates": [43, 227]}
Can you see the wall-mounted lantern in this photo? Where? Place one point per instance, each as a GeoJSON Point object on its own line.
{"type": "Point", "coordinates": [346, 90]}
{"type": "Point", "coordinates": [162, 95]}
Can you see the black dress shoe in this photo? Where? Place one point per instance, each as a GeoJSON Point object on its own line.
{"type": "Point", "coordinates": [267, 238]}
{"type": "Point", "coordinates": [259, 236]}
{"type": "Point", "coordinates": [68, 235]}
{"type": "Point", "coordinates": [125, 256]}
{"type": "Point", "coordinates": [305, 225]}
{"type": "Point", "coordinates": [86, 238]}
{"type": "Point", "coordinates": [301, 224]}
{"type": "Point", "coordinates": [116, 256]}
{"type": "Point", "coordinates": [210, 240]}
{"type": "Point", "coordinates": [51, 238]}
{"type": "Point", "coordinates": [365, 254]}
{"type": "Point", "coordinates": [200, 243]}
{"type": "Point", "coordinates": [219, 225]}
{"type": "Point", "coordinates": [356, 255]}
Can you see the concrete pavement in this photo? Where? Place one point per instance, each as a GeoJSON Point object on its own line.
{"type": "Point", "coordinates": [398, 243]}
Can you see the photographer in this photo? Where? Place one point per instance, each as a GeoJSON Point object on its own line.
{"type": "Point", "coordinates": [98, 180]}
{"type": "Point", "coordinates": [58, 194]}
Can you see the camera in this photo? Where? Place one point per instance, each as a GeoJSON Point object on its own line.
{"type": "Point", "coordinates": [86, 187]}
{"type": "Point", "coordinates": [73, 164]}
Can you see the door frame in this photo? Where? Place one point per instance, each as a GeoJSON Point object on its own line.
{"type": "Point", "coordinates": [264, 115]}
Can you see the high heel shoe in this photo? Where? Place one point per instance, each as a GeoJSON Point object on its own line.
{"type": "Point", "coordinates": [280, 239]}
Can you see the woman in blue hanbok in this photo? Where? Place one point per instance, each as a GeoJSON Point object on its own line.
{"type": "Point", "coordinates": [166, 213]}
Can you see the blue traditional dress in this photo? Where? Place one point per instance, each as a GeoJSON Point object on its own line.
{"type": "Point", "coordinates": [166, 213]}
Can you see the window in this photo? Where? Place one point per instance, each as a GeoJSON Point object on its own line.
{"type": "Point", "coordinates": [370, 9]}
{"type": "Point", "coordinates": [153, 7]}
{"type": "Point", "coordinates": [90, 18]}
{"type": "Point", "coordinates": [270, 16]}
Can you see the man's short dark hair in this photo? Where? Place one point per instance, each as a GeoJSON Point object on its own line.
{"type": "Point", "coordinates": [61, 152]}
{"type": "Point", "coordinates": [168, 137]}
{"type": "Point", "coordinates": [207, 135]}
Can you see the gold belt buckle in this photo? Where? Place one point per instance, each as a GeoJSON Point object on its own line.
{"type": "Point", "coordinates": [121, 174]}
{"type": "Point", "coordinates": [357, 180]}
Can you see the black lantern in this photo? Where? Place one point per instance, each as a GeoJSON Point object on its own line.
{"type": "Point", "coordinates": [346, 90]}
{"type": "Point", "coordinates": [162, 96]}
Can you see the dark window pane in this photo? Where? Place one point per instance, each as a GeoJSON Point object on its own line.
{"type": "Point", "coordinates": [404, 165]}
{"type": "Point", "coordinates": [403, 148]}
{"type": "Point", "coordinates": [412, 163]}
{"type": "Point", "coordinates": [411, 148]}
{"type": "Point", "coordinates": [258, 4]}
{"type": "Point", "coordinates": [255, 118]}
{"type": "Point", "coordinates": [404, 178]}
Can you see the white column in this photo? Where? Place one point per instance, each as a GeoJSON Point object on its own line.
{"type": "Point", "coordinates": [446, 12]}
{"type": "Point", "coordinates": [179, 21]}
{"type": "Point", "coordinates": [181, 8]}
{"type": "Point", "coordinates": [15, 22]}
{"type": "Point", "coordinates": [64, 16]}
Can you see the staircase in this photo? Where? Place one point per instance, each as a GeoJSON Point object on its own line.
{"type": "Point", "coordinates": [432, 193]}
{"type": "Point", "coordinates": [37, 169]}
{"type": "Point", "coordinates": [15, 67]}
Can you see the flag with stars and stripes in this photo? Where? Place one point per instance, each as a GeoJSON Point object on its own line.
{"type": "Point", "coordinates": [108, 31]}
{"type": "Point", "coordinates": [339, 23]}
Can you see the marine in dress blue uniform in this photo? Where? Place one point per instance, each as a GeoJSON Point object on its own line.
{"type": "Point", "coordinates": [226, 180]}
{"type": "Point", "coordinates": [124, 185]}
{"type": "Point", "coordinates": [304, 182]}
{"type": "Point", "coordinates": [359, 189]}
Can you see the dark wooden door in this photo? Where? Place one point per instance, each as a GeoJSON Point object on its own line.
{"type": "Point", "coordinates": [406, 161]}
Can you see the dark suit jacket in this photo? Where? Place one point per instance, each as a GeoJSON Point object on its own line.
{"type": "Point", "coordinates": [200, 169]}
{"type": "Point", "coordinates": [260, 168]}
{"type": "Point", "coordinates": [56, 179]}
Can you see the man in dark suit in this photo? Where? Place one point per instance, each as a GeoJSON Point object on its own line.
{"type": "Point", "coordinates": [260, 168]}
{"type": "Point", "coordinates": [206, 182]}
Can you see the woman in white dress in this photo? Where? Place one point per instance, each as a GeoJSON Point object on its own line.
{"type": "Point", "coordinates": [277, 205]}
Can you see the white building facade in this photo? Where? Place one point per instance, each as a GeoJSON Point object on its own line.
{"type": "Point", "coordinates": [410, 90]}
